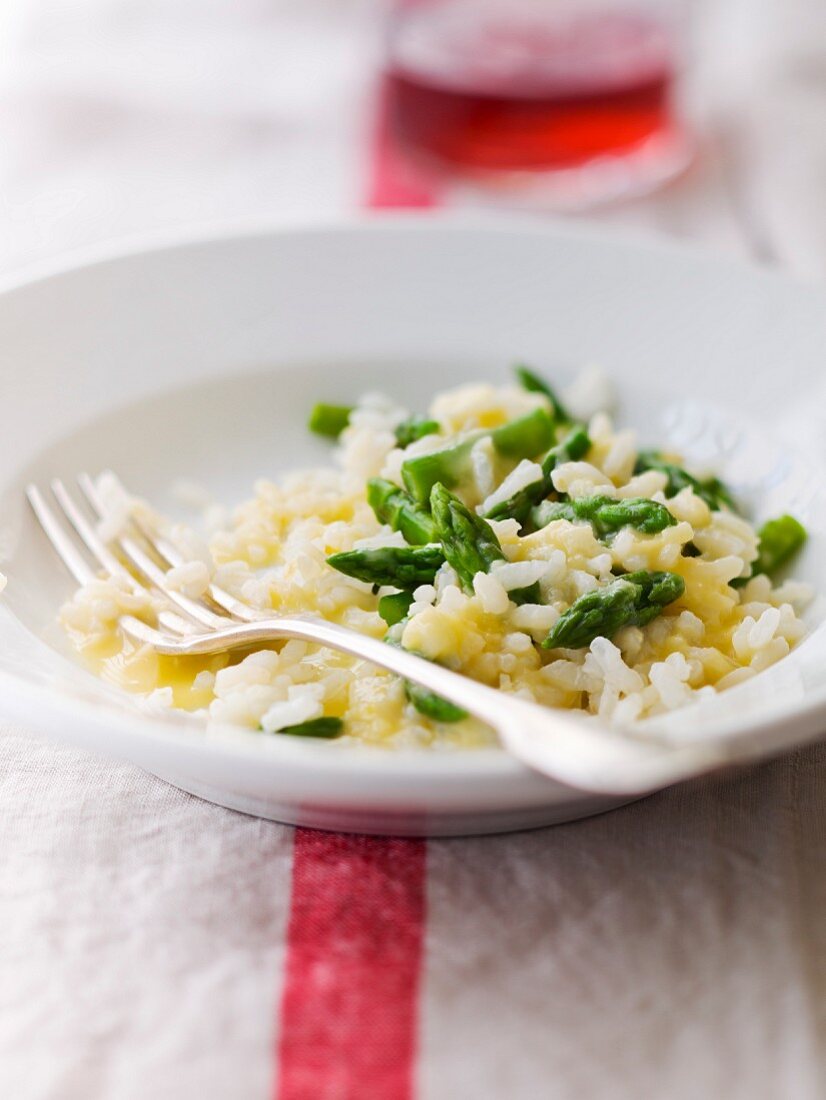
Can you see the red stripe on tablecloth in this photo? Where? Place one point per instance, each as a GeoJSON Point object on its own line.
{"type": "Point", "coordinates": [354, 946]}
{"type": "Point", "coordinates": [349, 1011]}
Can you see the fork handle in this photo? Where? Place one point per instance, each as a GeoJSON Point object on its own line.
{"type": "Point", "coordinates": [562, 745]}
{"type": "Point", "coordinates": [476, 698]}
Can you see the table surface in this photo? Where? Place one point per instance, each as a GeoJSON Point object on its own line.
{"type": "Point", "coordinates": [155, 945]}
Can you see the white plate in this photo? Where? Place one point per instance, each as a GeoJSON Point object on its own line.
{"type": "Point", "coordinates": [202, 359]}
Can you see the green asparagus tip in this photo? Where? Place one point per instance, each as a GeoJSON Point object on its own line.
{"type": "Point", "coordinates": [400, 511]}
{"type": "Point", "coordinates": [468, 541]}
{"type": "Point", "coordinates": [394, 566]}
{"type": "Point", "coordinates": [634, 599]}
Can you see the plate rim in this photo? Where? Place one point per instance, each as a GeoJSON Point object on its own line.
{"type": "Point", "coordinates": [133, 245]}
{"type": "Point", "coordinates": [406, 765]}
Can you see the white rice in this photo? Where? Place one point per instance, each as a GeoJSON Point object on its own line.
{"type": "Point", "coordinates": [191, 578]}
{"type": "Point", "coordinates": [581, 479]}
{"type": "Point", "coordinates": [491, 592]}
{"type": "Point", "coordinates": [526, 473]}
{"type": "Point", "coordinates": [519, 574]}
{"type": "Point", "coordinates": [482, 463]}
{"type": "Point", "coordinates": [273, 554]}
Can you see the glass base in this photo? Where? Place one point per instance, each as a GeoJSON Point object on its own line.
{"type": "Point", "coordinates": [601, 181]}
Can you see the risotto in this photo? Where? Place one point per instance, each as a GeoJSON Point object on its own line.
{"type": "Point", "coordinates": [522, 541]}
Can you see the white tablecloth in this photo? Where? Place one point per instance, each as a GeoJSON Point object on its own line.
{"type": "Point", "coordinates": [675, 948]}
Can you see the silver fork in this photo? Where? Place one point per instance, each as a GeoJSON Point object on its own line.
{"type": "Point", "coordinates": [558, 743]}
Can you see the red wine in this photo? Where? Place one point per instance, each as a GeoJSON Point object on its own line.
{"type": "Point", "coordinates": [517, 92]}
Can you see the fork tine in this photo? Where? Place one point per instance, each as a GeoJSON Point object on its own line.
{"type": "Point", "coordinates": [101, 552]}
{"type": "Point", "coordinates": [153, 573]}
{"type": "Point", "coordinates": [62, 543]}
{"type": "Point", "coordinates": [66, 549]}
{"type": "Point", "coordinates": [165, 550]}
{"type": "Point", "coordinates": [88, 535]}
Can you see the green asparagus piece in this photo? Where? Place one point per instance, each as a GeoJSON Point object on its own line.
{"type": "Point", "coordinates": [658, 590]}
{"type": "Point", "coordinates": [329, 420]}
{"type": "Point", "coordinates": [710, 489]}
{"type": "Point", "coordinates": [317, 727]}
{"type": "Point", "coordinates": [431, 705]}
{"type": "Point", "coordinates": [574, 447]}
{"type": "Point", "coordinates": [397, 566]}
{"type": "Point", "coordinates": [427, 702]}
{"type": "Point", "coordinates": [525, 437]}
{"type": "Point", "coordinates": [531, 593]}
{"type": "Point", "coordinates": [598, 613]}
{"type": "Point", "coordinates": [450, 465]}
{"type": "Point", "coordinates": [718, 492]}
{"type": "Point", "coordinates": [607, 515]}
{"type": "Point", "coordinates": [416, 427]}
{"type": "Point", "coordinates": [533, 383]}
{"type": "Point", "coordinates": [632, 600]}
{"type": "Point", "coordinates": [395, 507]}
{"type": "Point", "coordinates": [780, 540]}
{"type": "Point", "coordinates": [468, 541]}
{"type": "Point", "coordinates": [393, 608]}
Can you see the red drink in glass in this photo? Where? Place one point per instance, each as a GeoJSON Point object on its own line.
{"type": "Point", "coordinates": [487, 89]}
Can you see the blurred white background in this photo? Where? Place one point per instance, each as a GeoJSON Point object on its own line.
{"type": "Point", "coordinates": [124, 116]}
